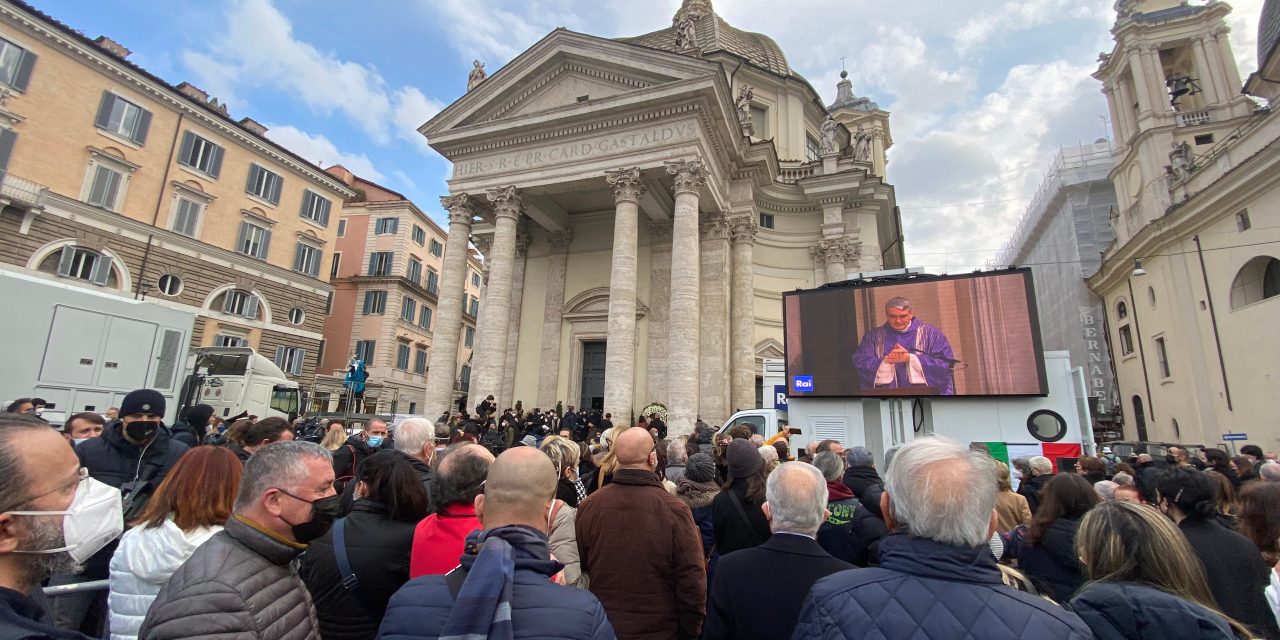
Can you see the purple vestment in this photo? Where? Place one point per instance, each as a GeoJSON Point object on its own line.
{"type": "Point", "coordinates": [924, 341]}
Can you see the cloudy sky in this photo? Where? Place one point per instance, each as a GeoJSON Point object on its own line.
{"type": "Point", "coordinates": [983, 92]}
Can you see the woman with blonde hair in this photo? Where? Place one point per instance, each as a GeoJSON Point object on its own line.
{"type": "Point", "coordinates": [335, 436]}
{"type": "Point", "coordinates": [1011, 508]}
{"type": "Point", "coordinates": [562, 534]}
{"type": "Point", "coordinates": [1143, 579]}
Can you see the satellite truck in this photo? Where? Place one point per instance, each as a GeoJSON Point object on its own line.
{"type": "Point", "coordinates": [84, 349]}
{"type": "Point", "coordinates": [973, 368]}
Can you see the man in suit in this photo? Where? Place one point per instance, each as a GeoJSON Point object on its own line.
{"type": "Point", "coordinates": [758, 592]}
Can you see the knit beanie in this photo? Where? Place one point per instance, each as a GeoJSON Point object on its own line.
{"type": "Point", "coordinates": [743, 458]}
{"type": "Point", "coordinates": [142, 401]}
{"type": "Point", "coordinates": [700, 468]}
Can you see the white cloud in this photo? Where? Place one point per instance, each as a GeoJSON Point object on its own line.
{"type": "Point", "coordinates": [412, 109]}
{"type": "Point", "coordinates": [322, 151]}
{"type": "Point", "coordinates": [1019, 15]}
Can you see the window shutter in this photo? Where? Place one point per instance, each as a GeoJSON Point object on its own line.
{"type": "Point", "coordinates": [250, 306]}
{"type": "Point", "coordinates": [300, 355]}
{"type": "Point", "coordinates": [104, 110]}
{"type": "Point", "coordinates": [306, 203]}
{"type": "Point", "coordinates": [188, 143]}
{"type": "Point", "coordinates": [7, 138]}
{"type": "Point", "coordinates": [280, 357]}
{"type": "Point", "coordinates": [144, 124]}
{"type": "Point", "coordinates": [240, 237]}
{"type": "Point", "coordinates": [395, 225]}
{"type": "Point", "coordinates": [252, 180]}
{"type": "Point", "coordinates": [314, 271]}
{"type": "Point", "coordinates": [112, 189]}
{"type": "Point", "coordinates": [101, 270]}
{"type": "Point", "coordinates": [273, 194]}
{"type": "Point", "coordinates": [215, 161]}
{"type": "Point", "coordinates": [373, 260]}
{"type": "Point", "coordinates": [297, 259]}
{"type": "Point", "coordinates": [324, 212]}
{"type": "Point", "coordinates": [65, 260]}
{"type": "Point", "coordinates": [266, 244]}
{"type": "Point", "coordinates": [382, 302]}
{"type": "Point", "coordinates": [228, 301]}
{"type": "Point", "coordinates": [368, 300]}
{"type": "Point", "coordinates": [23, 76]}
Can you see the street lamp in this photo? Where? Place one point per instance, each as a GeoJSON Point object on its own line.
{"type": "Point", "coordinates": [1138, 271]}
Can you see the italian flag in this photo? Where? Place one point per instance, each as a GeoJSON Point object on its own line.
{"type": "Point", "coordinates": [1007, 451]}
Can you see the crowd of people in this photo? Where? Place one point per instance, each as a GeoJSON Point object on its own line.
{"type": "Point", "coordinates": [545, 524]}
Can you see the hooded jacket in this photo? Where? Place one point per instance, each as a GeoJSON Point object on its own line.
{"type": "Point", "coordinates": [1235, 571]}
{"type": "Point", "coordinates": [851, 533]}
{"type": "Point", "coordinates": [240, 585]}
{"type": "Point", "coordinates": [859, 478]}
{"type": "Point", "coordinates": [438, 540]}
{"type": "Point", "coordinates": [1030, 488]}
{"type": "Point", "coordinates": [144, 561]}
{"type": "Point", "coordinates": [1129, 611]}
{"type": "Point", "coordinates": [113, 460]}
{"type": "Point", "coordinates": [1052, 563]}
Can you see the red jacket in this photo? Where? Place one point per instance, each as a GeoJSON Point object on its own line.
{"type": "Point", "coordinates": [439, 539]}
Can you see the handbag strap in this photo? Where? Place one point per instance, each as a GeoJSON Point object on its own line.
{"type": "Point", "coordinates": [737, 504]}
{"type": "Point", "coordinates": [349, 580]}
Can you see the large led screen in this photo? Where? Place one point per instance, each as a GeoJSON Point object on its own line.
{"type": "Point", "coordinates": [970, 335]}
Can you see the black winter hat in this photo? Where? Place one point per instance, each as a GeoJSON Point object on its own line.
{"type": "Point", "coordinates": [142, 401]}
{"type": "Point", "coordinates": [743, 458]}
{"type": "Point", "coordinates": [700, 468]}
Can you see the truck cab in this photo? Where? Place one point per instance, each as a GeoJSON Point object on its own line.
{"type": "Point", "coordinates": [236, 379]}
{"type": "Point", "coordinates": [765, 422]}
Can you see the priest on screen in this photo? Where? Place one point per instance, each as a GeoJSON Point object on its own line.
{"type": "Point", "coordinates": [905, 353]}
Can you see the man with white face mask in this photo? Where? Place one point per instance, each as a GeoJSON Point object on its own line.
{"type": "Point", "coordinates": [54, 518]}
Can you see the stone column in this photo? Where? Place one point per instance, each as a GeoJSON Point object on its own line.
{"type": "Point", "coordinates": [508, 399]}
{"type": "Point", "coordinates": [682, 329]}
{"type": "Point", "coordinates": [1141, 86]}
{"type": "Point", "coordinates": [742, 360]}
{"type": "Point", "coordinates": [620, 349]}
{"type": "Point", "coordinates": [1155, 78]}
{"type": "Point", "coordinates": [659, 310]}
{"type": "Point", "coordinates": [495, 320]}
{"type": "Point", "coordinates": [1208, 80]}
{"type": "Point", "coordinates": [448, 319]}
{"type": "Point", "coordinates": [713, 319]}
{"type": "Point", "coordinates": [833, 256]}
{"type": "Point", "coordinates": [552, 319]}
{"type": "Point", "coordinates": [1126, 111]}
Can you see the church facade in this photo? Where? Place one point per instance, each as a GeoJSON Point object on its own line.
{"type": "Point", "coordinates": [641, 204]}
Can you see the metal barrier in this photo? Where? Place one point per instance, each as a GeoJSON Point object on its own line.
{"type": "Point", "coordinates": [78, 587]}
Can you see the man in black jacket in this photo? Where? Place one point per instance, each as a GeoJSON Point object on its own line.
{"type": "Point", "coordinates": [861, 472]}
{"type": "Point", "coordinates": [1030, 488]}
{"type": "Point", "coordinates": [743, 606]}
{"type": "Point", "coordinates": [415, 438]}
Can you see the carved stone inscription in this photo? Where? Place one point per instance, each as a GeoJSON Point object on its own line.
{"type": "Point", "coordinates": [589, 148]}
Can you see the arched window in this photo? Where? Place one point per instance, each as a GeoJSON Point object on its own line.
{"type": "Point", "coordinates": [1140, 418]}
{"type": "Point", "coordinates": [238, 302]}
{"type": "Point", "coordinates": [1122, 310]}
{"type": "Point", "coordinates": [81, 263]}
{"type": "Point", "coordinates": [1256, 281]}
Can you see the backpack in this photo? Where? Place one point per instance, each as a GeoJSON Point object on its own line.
{"type": "Point", "coordinates": [340, 483]}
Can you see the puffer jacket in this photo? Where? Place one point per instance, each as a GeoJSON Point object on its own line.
{"type": "Point", "coordinates": [859, 478]}
{"type": "Point", "coordinates": [540, 608]}
{"type": "Point", "coordinates": [930, 590]}
{"type": "Point", "coordinates": [113, 460]}
{"type": "Point", "coordinates": [141, 565]}
{"type": "Point", "coordinates": [1051, 563]}
{"type": "Point", "coordinates": [564, 545]}
{"type": "Point", "coordinates": [240, 585]}
{"type": "Point", "coordinates": [378, 550]}
{"type": "Point", "coordinates": [1128, 611]}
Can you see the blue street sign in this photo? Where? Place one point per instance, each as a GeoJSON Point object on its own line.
{"type": "Point", "coordinates": [802, 383]}
{"type": "Point", "coordinates": [1235, 437]}
{"type": "Point", "coordinates": [779, 396]}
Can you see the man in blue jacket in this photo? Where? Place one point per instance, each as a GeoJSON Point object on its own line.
{"type": "Point", "coordinates": [504, 586]}
{"type": "Point", "coordinates": [937, 578]}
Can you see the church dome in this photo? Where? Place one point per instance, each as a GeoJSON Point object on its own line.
{"type": "Point", "coordinates": [1268, 31]}
{"type": "Point", "coordinates": [714, 34]}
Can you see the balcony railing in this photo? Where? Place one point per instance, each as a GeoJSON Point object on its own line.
{"type": "Point", "coordinates": [1193, 118]}
{"type": "Point", "coordinates": [792, 174]}
{"type": "Point", "coordinates": [21, 191]}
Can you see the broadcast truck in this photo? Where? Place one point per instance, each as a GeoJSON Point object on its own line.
{"type": "Point", "coordinates": [84, 349]}
{"type": "Point", "coordinates": [1006, 394]}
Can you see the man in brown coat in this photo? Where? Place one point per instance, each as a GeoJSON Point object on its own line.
{"type": "Point", "coordinates": [641, 549]}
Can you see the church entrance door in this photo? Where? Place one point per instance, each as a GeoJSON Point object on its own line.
{"type": "Point", "coordinates": [593, 375]}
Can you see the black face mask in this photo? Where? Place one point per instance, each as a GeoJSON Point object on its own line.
{"type": "Point", "coordinates": [141, 430]}
{"type": "Point", "coordinates": [323, 512]}
{"type": "Point", "coordinates": [1171, 460]}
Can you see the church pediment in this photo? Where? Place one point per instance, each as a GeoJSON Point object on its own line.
{"type": "Point", "coordinates": [566, 84]}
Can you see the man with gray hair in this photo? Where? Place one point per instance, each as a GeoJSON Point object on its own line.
{"type": "Point", "coordinates": [937, 577]}
{"type": "Point", "coordinates": [1106, 490]}
{"type": "Point", "coordinates": [1031, 488]}
{"type": "Point", "coordinates": [416, 439]}
{"type": "Point", "coordinates": [677, 458]}
{"type": "Point", "coordinates": [789, 562]}
{"type": "Point", "coordinates": [852, 532]}
{"type": "Point", "coordinates": [1270, 472]}
{"type": "Point", "coordinates": [241, 583]}
{"type": "Point", "coordinates": [905, 353]}
{"type": "Point", "coordinates": [861, 472]}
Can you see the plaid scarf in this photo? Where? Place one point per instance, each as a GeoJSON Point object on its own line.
{"type": "Point", "coordinates": [483, 606]}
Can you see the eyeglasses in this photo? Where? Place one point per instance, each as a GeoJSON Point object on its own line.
{"type": "Point", "coordinates": [81, 475]}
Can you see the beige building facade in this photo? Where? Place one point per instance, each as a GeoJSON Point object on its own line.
{"type": "Point", "coordinates": [1191, 283]}
{"type": "Point", "coordinates": [385, 271]}
{"type": "Point", "coordinates": [641, 204]}
{"type": "Point", "coordinates": [115, 180]}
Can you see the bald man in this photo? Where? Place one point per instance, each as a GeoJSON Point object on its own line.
{"type": "Point", "coordinates": [641, 549]}
{"type": "Point", "coordinates": [439, 538]}
{"type": "Point", "coordinates": [513, 510]}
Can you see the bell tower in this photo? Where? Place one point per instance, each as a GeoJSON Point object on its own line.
{"type": "Point", "coordinates": [1174, 92]}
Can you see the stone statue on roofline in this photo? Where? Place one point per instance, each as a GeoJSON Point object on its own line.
{"type": "Point", "coordinates": [686, 30]}
{"type": "Point", "coordinates": [743, 106]}
{"type": "Point", "coordinates": [830, 135]}
{"type": "Point", "coordinates": [862, 145]}
{"type": "Point", "coordinates": [476, 76]}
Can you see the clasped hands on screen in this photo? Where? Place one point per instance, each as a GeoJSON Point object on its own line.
{"type": "Point", "coordinates": [898, 356]}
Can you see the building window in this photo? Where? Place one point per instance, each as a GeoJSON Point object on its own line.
{"type": "Point", "coordinates": [419, 363]}
{"type": "Point", "coordinates": [263, 184]}
{"type": "Point", "coordinates": [1126, 341]}
{"type": "Point", "coordinates": [342, 228]}
{"type": "Point", "coordinates": [79, 263]}
{"type": "Point", "coordinates": [1151, 296]}
{"type": "Point", "coordinates": [186, 216]}
{"type": "Point", "coordinates": [420, 236]}
{"type": "Point", "coordinates": [122, 118]}
{"type": "Point", "coordinates": [1242, 221]}
{"type": "Point", "coordinates": [200, 154]}
{"type": "Point", "coordinates": [375, 302]}
{"type": "Point", "coordinates": [337, 263]}
{"type": "Point", "coordinates": [104, 191]}
{"type": "Point", "coordinates": [766, 221]}
{"type": "Point", "coordinates": [380, 263]}
{"type": "Point", "coordinates": [475, 279]}
{"type": "Point", "coordinates": [238, 302]}
{"type": "Point", "coordinates": [424, 318]}
{"type": "Point", "coordinates": [365, 350]}
{"type": "Point", "coordinates": [1122, 310]}
{"type": "Point", "coordinates": [759, 122]}
{"type": "Point", "coordinates": [408, 309]}
{"type": "Point", "coordinates": [474, 307]}
{"type": "Point", "coordinates": [437, 249]}
{"type": "Point", "coordinates": [1257, 280]}
{"type": "Point", "coordinates": [15, 65]}
{"type": "Point", "coordinates": [433, 282]}
{"type": "Point", "coordinates": [414, 273]}
{"type": "Point", "coordinates": [464, 378]}
{"type": "Point", "coordinates": [315, 208]}
{"type": "Point", "coordinates": [402, 356]}
{"type": "Point", "coordinates": [289, 359]}
{"type": "Point", "coordinates": [328, 303]}
{"type": "Point", "coordinates": [306, 259]}
{"type": "Point", "coordinates": [386, 226]}
{"type": "Point", "coordinates": [297, 315]}
{"type": "Point", "coordinates": [1204, 138]}
{"type": "Point", "coordinates": [253, 240]}
{"type": "Point", "coordinates": [1162, 357]}
{"type": "Point", "coordinates": [812, 151]}
{"type": "Point", "coordinates": [224, 340]}
{"type": "Point", "coordinates": [469, 337]}
{"type": "Point", "coordinates": [169, 284]}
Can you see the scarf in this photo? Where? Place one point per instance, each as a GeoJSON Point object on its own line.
{"type": "Point", "coordinates": [483, 606]}
{"type": "Point", "coordinates": [579, 489]}
{"type": "Point", "coordinates": [837, 491]}
{"type": "Point", "coordinates": [685, 486]}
